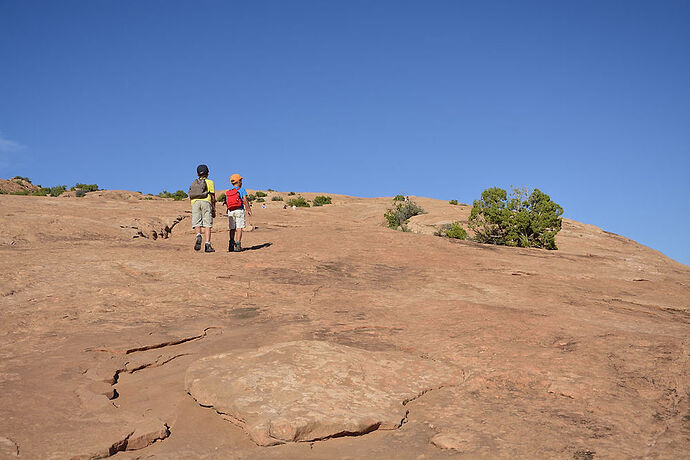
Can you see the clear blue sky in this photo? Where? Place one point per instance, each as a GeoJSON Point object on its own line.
{"type": "Point", "coordinates": [587, 100]}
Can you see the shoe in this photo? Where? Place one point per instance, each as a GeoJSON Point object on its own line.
{"type": "Point", "coordinates": [197, 243]}
{"type": "Point", "coordinates": [231, 246]}
{"type": "Point", "coordinates": [209, 248]}
{"type": "Point", "coordinates": [238, 247]}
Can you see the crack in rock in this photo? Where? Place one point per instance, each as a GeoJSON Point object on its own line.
{"type": "Point", "coordinates": [143, 435]}
{"type": "Point", "coordinates": [158, 232]}
{"type": "Point", "coordinates": [8, 448]}
{"type": "Point", "coordinates": [155, 346]}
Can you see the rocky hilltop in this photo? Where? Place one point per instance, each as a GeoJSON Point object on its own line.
{"type": "Point", "coordinates": [332, 336]}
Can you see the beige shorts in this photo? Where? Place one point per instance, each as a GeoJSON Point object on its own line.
{"type": "Point", "coordinates": [236, 219]}
{"type": "Point", "coordinates": [201, 214]}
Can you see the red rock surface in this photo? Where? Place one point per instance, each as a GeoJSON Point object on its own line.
{"type": "Point", "coordinates": [577, 353]}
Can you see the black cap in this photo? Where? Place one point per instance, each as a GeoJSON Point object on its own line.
{"type": "Point", "coordinates": [202, 170]}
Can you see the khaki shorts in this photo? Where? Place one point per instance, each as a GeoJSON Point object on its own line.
{"type": "Point", "coordinates": [236, 219]}
{"type": "Point", "coordinates": [201, 214]}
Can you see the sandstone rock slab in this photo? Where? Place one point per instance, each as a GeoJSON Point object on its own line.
{"type": "Point", "coordinates": [312, 390]}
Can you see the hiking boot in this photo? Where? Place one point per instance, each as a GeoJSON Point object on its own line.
{"type": "Point", "coordinates": [209, 248]}
{"type": "Point", "coordinates": [238, 247]}
{"type": "Point", "coordinates": [197, 243]}
{"type": "Point", "coordinates": [231, 246]}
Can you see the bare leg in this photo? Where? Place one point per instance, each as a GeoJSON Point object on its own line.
{"type": "Point", "coordinates": [232, 234]}
{"type": "Point", "coordinates": [207, 231]}
{"type": "Point", "coordinates": [239, 235]}
{"type": "Point", "coordinates": [198, 230]}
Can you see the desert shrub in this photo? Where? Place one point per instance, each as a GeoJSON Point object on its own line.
{"type": "Point", "coordinates": [398, 215]}
{"type": "Point", "coordinates": [300, 202]}
{"type": "Point", "coordinates": [291, 193]}
{"type": "Point", "coordinates": [320, 200]}
{"type": "Point", "coordinates": [86, 187]}
{"type": "Point", "coordinates": [22, 178]}
{"type": "Point", "coordinates": [398, 198]}
{"type": "Point", "coordinates": [57, 190]}
{"type": "Point", "coordinates": [177, 196]}
{"type": "Point", "coordinates": [148, 198]}
{"type": "Point", "coordinates": [277, 198]}
{"type": "Point", "coordinates": [20, 192]}
{"type": "Point", "coordinates": [80, 193]}
{"type": "Point", "coordinates": [43, 191]}
{"type": "Point", "coordinates": [454, 230]}
{"type": "Point", "coordinates": [271, 190]}
{"type": "Point", "coordinates": [260, 200]}
{"type": "Point", "coordinates": [3, 192]}
{"type": "Point", "coordinates": [251, 197]}
{"type": "Point", "coordinates": [453, 202]}
{"type": "Point", "coordinates": [260, 194]}
{"type": "Point", "coordinates": [524, 219]}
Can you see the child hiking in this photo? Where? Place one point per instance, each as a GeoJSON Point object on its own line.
{"type": "Point", "coordinates": [202, 194]}
{"type": "Point", "coordinates": [237, 203]}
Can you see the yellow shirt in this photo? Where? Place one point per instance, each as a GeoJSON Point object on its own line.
{"type": "Point", "coordinates": [211, 189]}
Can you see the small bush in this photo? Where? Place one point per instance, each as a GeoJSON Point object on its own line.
{"type": "Point", "coordinates": [260, 194]}
{"type": "Point", "coordinates": [43, 191]}
{"type": "Point", "coordinates": [271, 190]}
{"type": "Point", "coordinates": [80, 193]}
{"type": "Point", "coordinates": [525, 219]}
{"type": "Point", "coordinates": [148, 198]}
{"type": "Point", "coordinates": [453, 202]}
{"type": "Point", "coordinates": [291, 193]}
{"type": "Point", "coordinates": [86, 187]}
{"type": "Point", "coordinates": [20, 192]}
{"type": "Point", "coordinates": [251, 197]}
{"type": "Point", "coordinates": [57, 190]}
{"type": "Point", "coordinates": [320, 200]}
{"type": "Point", "coordinates": [453, 230]}
{"type": "Point", "coordinates": [277, 198]}
{"type": "Point", "coordinates": [398, 215]}
{"type": "Point", "coordinates": [177, 196]}
{"type": "Point", "coordinates": [398, 198]}
{"type": "Point", "coordinates": [260, 200]}
{"type": "Point", "coordinates": [21, 178]}
{"type": "Point", "coordinates": [300, 202]}
{"type": "Point", "coordinates": [3, 192]}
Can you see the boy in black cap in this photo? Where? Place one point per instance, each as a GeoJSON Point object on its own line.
{"type": "Point", "coordinates": [203, 196]}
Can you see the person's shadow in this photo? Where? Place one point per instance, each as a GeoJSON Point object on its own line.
{"type": "Point", "coordinates": [257, 246]}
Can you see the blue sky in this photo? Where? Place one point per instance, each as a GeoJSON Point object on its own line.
{"type": "Point", "coordinates": [587, 100]}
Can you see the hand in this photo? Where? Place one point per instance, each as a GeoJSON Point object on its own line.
{"type": "Point", "coordinates": [213, 213]}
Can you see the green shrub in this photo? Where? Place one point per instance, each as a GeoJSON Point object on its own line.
{"type": "Point", "coordinates": [271, 190]}
{"type": "Point", "coordinates": [453, 230]}
{"type": "Point", "coordinates": [398, 215]}
{"type": "Point", "coordinates": [43, 191]}
{"type": "Point", "coordinates": [320, 200]}
{"type": "Point", "coordinates": [21, 178]}
{"type": "Point", "coordinates": [86, 187]}
{"type": "Point", "coordinates": [260, 200]}
{"type": "Point", "coordinates": [80, 193]}
{"type": "Point", "coordinates": [453, 202]}
{"type": "Point", "coordinates": [177, 196]}
{"type": "Point", "coordinates": [20, 192]}
{"type": "Point", "coordinates": [148, 198]}
{"type": "Point", "coordinates": [260, 194]}
{"type": "Point", "coordinates": [525, 219]}
{"type": "Point", "coordinates": [300, 202]}
{"type": "Point", "coordinates": [57, 190]}
{"type": "Point", "coordinates": [398, 198]}
{"type": "Point", "coordinates": [3, 192]}
{"type": "Point", "coordinates": [291, 193]}
{"type": "Point", "coordinates": [277, 198]}
{"type": "Point", "coordinates": [251, 197]}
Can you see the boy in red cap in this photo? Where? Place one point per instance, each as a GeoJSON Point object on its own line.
{"type": "Point", "coordinates": [237, 203]}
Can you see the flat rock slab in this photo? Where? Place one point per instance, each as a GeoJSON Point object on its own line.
{"type": "Point", "coordinates": [311, 390]}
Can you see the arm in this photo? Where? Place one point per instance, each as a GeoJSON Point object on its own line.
{"type": "Point", "coordinates": [247, 206]}
{"type": "Point", "coordinates": [213, 203]}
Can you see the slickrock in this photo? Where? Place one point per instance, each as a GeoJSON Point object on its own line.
{"type": "Point", "coordinates": [311, 390]}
